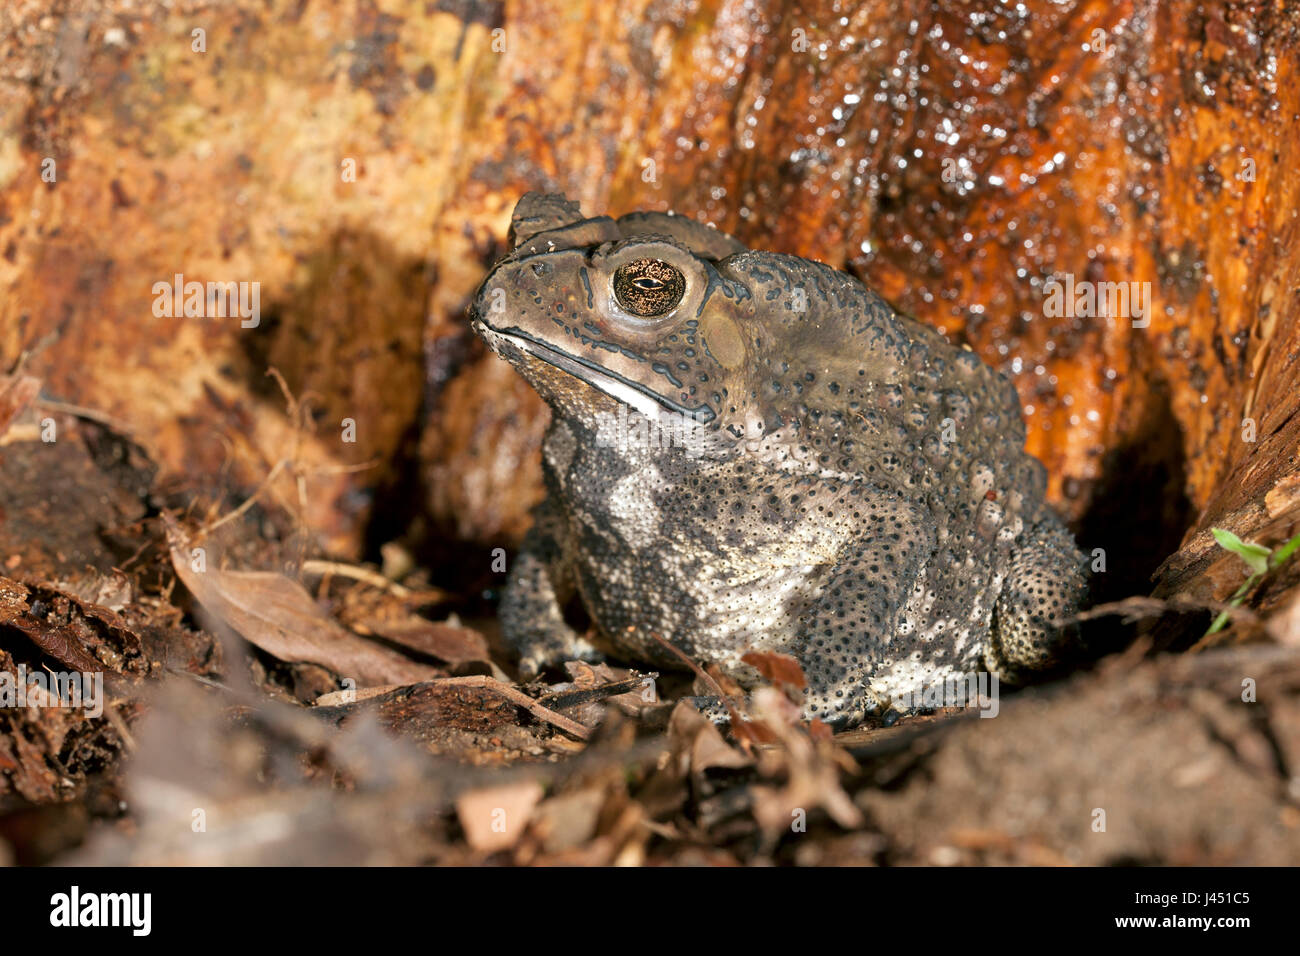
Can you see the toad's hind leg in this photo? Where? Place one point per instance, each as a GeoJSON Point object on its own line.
{"type": "Point", "coordinates": [1047, 583]}
{"type": "Point", "coordinates": [854, 629]}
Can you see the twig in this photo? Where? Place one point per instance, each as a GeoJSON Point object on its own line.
{"type": "Point", "coordinates": [206, 681]}
{"type": "Point", "coordinates": [248, 503]}
{"type": "Point", "coordinates": [523, 700]}
{"type": "Point", "coordinates": [357, 574]}
{"type": "Point", "coordinates": [1138, 608]}
{"type": "Point", "coordinates": [296, 408]}
{"type": "Point", "coordinates": [119, 725]}
{"type": "Point", "coordinates": [28, 354]}
{"type": "Point", "coordinates": [89, 414]}
{"type": "Point", "coordinates": [694, 667]}
{"type": "Point", "coordinates": [707, 678]}
{"type": "Point", "coordinates": [344, 469]}
{"type": "Point", "coordinates": [538, 710]}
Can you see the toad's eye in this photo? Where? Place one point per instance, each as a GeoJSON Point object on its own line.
{"type": "Point", "coordinates": [648, 287]}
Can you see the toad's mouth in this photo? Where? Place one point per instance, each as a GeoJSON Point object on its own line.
{"type": "Point", "coordinates": [631, 393]}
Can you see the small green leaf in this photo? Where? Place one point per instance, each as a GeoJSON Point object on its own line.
{"type": "Point", "coordinates": [1285, 551]}
{"type": "Point", "coordinates": [1255, 555]}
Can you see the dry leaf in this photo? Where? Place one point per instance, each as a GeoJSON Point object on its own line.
{"type": "Point", "coordinates": [447, 642]}
{"type": "Point", "coordinates": [494, 819]}
{"type": "Point", "coordinates": [16, 393]}
{"type": "Point", "coordinates": [814, 774]}
{"type": "Point", "coordinates": [568, 821]}
{"type": "Point", "coordinates": [59, 624]}
{"type": "Point", "coordinates": [277, 614]}
{"type": "Point", "coordinates": [779, 669]}
{"type": "Point", "coordinates": [706, 746]}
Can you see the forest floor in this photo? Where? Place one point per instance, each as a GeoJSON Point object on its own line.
{"type": "Point", "coordinates": [220, 734]}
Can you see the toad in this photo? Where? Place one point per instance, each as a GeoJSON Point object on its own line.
{"type": "Point", "coordinates": [753, 451]}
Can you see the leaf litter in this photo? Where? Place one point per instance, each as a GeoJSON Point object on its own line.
{"type": "Point", "coordinates": [250, 720]}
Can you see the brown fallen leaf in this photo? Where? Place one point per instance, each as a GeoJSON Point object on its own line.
{"type": "Point", "coordinates": [494, 819]}
{"type": "Point", "coordinates": [278, 615]}
{"type": "Point", "coordinates": [32, 777]}
{"type": "Point", "coordinates": [568, 821]}
{"type": "Point", "coordinates": [778, 669]}
{"type": "Point", "coordinates": [16, 393]}
{"type": "Point", "coordinates": [342, 698]}
{"type": "Point", "coordinates": [452, 643]}
{"type": "Point", "coordinates": [813, 771]}
{"type": "Point", "coordinates": [820, 730]}
{"type": "Point", "coordinates": [61, 625]}
{"type": "Point", "coordinates": [702, 742]}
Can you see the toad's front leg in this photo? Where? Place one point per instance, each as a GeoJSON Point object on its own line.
{"type": "Point", "coordinates": [539, 586]}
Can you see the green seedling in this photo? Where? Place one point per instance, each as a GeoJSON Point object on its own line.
{"type": "Point", "coordinates": [1258, 558]}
